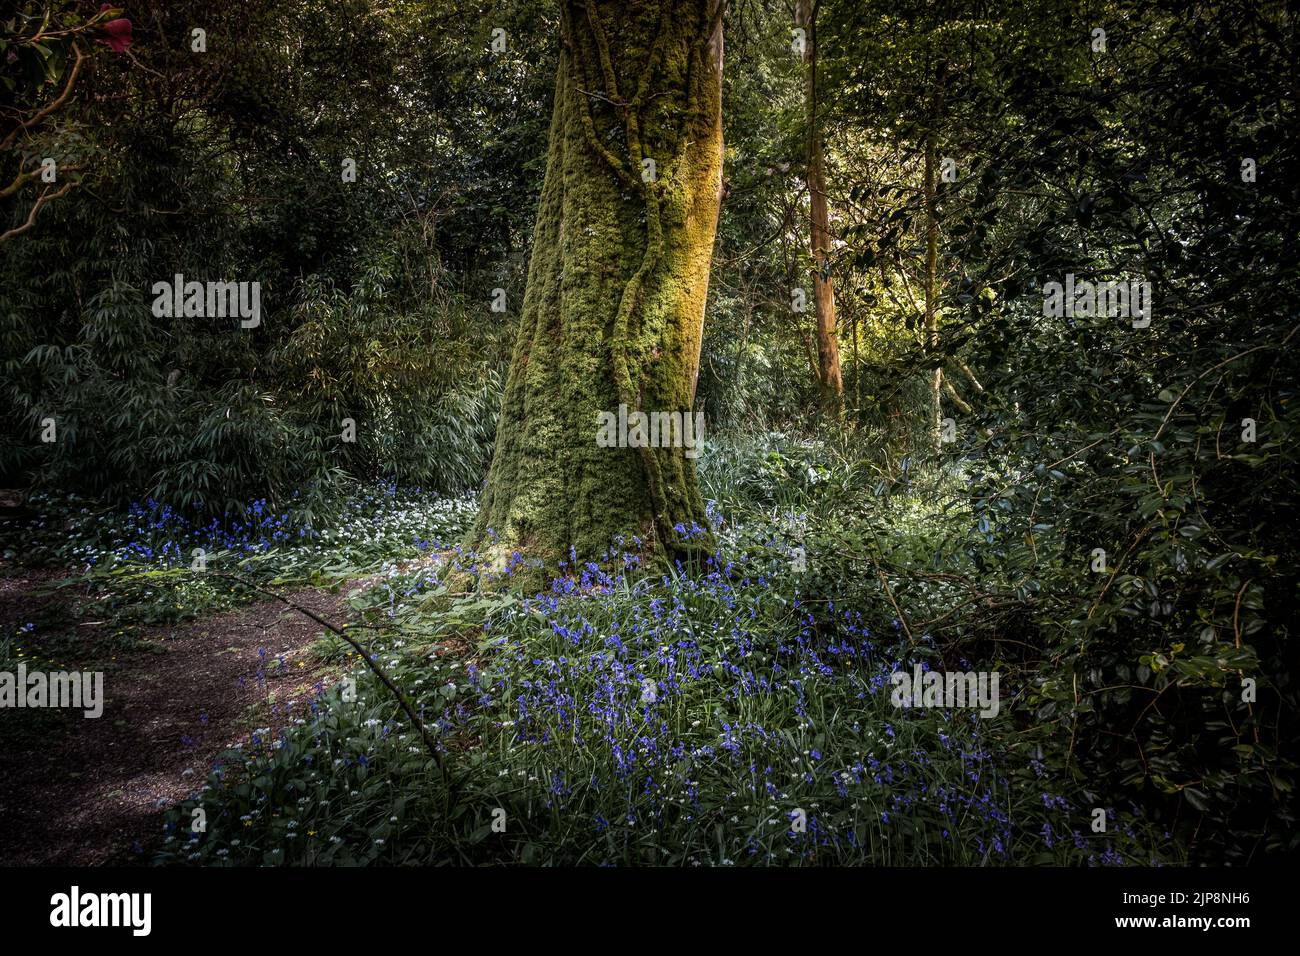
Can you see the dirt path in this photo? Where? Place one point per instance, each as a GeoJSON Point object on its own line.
{"type": "Point", "coordinates": [81, 791]}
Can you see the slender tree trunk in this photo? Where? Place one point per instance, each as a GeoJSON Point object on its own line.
{"type": "Point", "coordinates": [857, 372]}
{"type": "Point", "coordinates": [614, 306]}
{"type": "Point", "coordinates": [932, 291]}
{"type": "Point", "coordinates": [828, 348]}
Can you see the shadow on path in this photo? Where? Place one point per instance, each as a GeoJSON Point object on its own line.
{"type": "Point", "coordinates": [81, 791]}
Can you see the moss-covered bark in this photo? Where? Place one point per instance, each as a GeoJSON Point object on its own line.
{"type": "Point", "coordinates": [614, 305]}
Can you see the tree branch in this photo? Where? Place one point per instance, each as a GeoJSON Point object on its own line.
{"type": "Point", "coordinates": [45, 197]}
{"type": "Point", "coordinates": [62, 98]}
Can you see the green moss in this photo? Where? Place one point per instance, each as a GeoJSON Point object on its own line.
{"type": "Point", "coordinates": [614, 305]}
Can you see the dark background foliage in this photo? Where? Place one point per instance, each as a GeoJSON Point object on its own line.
{"type": "Point", "coordinates": [1082, 433]}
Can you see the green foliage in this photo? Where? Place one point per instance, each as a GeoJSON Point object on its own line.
{"type": "Point", "coordinates": [1128, 687]}
{"type": "Point", "coordinates": [239, 179]}
{"type": "Point", "coordinates": [767, 702]}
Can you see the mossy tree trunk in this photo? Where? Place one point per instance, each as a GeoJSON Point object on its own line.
{"type": "Point", "coordinates": [614, 306]}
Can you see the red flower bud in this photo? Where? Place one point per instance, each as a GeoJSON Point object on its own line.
{"type": "Point", "coordinates": [119, 32]}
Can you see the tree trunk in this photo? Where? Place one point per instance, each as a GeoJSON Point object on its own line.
{"type": "Point", "coordinates": [828, 348]}
{"type": "Point", "coordinates": [613, 311]}
{"type": "Point", "coordinates": [857, 373]}
{"type": "Point", "coordinates": [932, 292]}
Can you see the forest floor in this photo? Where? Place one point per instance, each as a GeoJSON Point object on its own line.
{"type": "Point", "coordinates": [77, 790]}
{"type": "Point", "coordinates": [549, 692]}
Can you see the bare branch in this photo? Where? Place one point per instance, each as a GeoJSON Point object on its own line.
{"type": "Point", "coordinates": [45, 197]}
